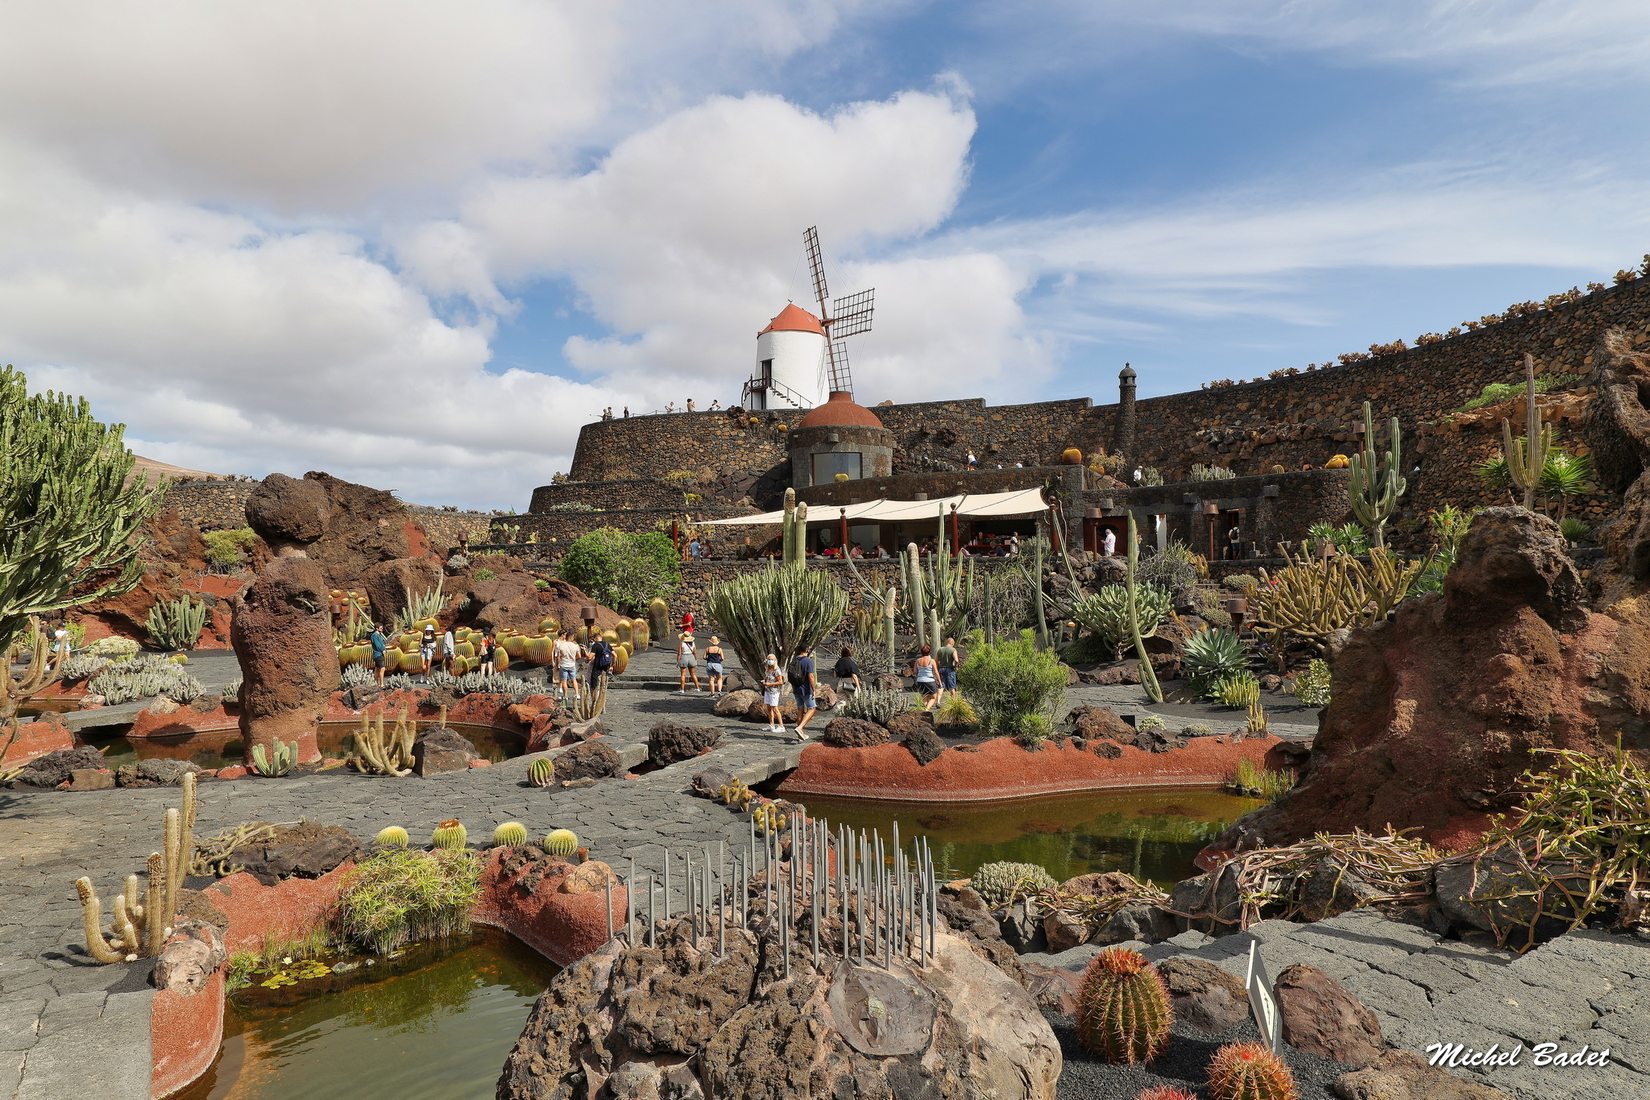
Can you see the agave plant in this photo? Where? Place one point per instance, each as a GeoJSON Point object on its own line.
{"type": "Point", "coordinates": [1565, 475]}
{"type": "Point", "coordinates": [1210, 655]}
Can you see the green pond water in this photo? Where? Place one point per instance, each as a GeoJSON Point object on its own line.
{"type": "Point", "coordinates": [1151, 834]}
{"type": "Point", "coordinates": [431, 1024]}
{"type": "Point", "coordinates": [336, 741]}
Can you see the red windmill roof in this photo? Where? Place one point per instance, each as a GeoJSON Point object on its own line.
{"type": "Point", "coordinates": [793, 318]}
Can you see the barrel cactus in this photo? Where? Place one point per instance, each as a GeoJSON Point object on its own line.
{"type": "Point", "coordinates": [622, 629]}
{"type": "Point", "coordinates": [540, 650]}
{"type": "Point", "coordinates": [658, 617]}
{"type": "Point", "coordinates": [561, 842]}
{"type": "Point", "coordinates": [392, 836]}
{"type": "Point", "coordinates": [621, 659]}
{"type": "Point", "coordinates": [1249, 1071]}
{"type": "Point", "coordinates": [450, 834]}
{"type": "Point", "coordinates": [549, 625]}
{"type": "Point", "coordinates": [540, 773]}
{"type": "Point", "coordinates": [1166, 1092]}
{"type": "Point", "coordinates": [1123, 1007]}
{"type": "Point", "coordinates": [1000, 884]}
{"type": "Point", "coordinates": [511, 834]}
{"type": "Point", "coordinates": [515, 645]}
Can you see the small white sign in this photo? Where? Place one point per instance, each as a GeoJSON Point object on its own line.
{"type": "Point", "coordinates": [1261, 1000]}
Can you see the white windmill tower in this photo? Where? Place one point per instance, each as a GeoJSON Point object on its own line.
{"type": "Point", "coordinates": [800, 358]}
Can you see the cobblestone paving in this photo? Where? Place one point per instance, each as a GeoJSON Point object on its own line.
{"type": "Point", "coordinates": [1583, 988]}
{"type": "Point", "coordinates": [66, 1025]}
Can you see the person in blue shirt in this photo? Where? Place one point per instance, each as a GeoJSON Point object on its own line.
{"type": "Point", "coordinates": [379, 644]}
{"type": "Point", "coordinates": [803, 683]}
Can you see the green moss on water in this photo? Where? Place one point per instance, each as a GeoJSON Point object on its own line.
{"type": "Point", "coordinates": [430, 1023]}
{"type": "Point", "coordinates": [1152, 834]}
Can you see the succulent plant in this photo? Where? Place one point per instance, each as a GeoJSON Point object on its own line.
{"type": "Point", "coordinates": [999, 884]}
{"type": "Point", "coordinates": [511, 834]}
{"type": "Point", "coordinates": [658, 617]}
{"type": "Point", "coordinates": [450, 834]}
{"type": "Point", "coordinates": [1123, 1007]}
{"type": "Point", "coordinates": [541, 772]}
{"type": "Point", "coordinates": [561, 842]}
{"type": "Point", "coordinates": [278, 761]}
{"type": "Point", "coordinates": [736, 794]}
{"type": "Point", "coordinates": [392, 836]}
{"type": "Point", "coordinates": [769, 818]}
{"type": "Point", "coordinates": [1249, 1071]}
{"type": "Point", "coordinates": [1166, 1092]}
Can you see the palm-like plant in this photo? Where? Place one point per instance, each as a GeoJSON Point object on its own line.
{"type": "Point", "coordinates": [1565, 475]}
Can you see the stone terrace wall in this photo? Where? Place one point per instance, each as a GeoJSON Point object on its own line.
{"type": "Point", "coordinates": [648, 447]}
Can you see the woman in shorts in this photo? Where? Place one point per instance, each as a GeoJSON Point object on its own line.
{"type": "Point", "coordinates": [772, 681]}
{"type": "Point", "coordinates": [688, 662]}
{"type": "Point", "coordinates": [927, 676]}
{"type": "Point", "coordinates": [714, 665]}
{"type": "Point", "coordinates": [847, 676]}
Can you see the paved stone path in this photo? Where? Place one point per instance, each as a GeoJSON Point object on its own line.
{"type": "Point", "coordinates": [67, 1026]}
{"type": "Point", "coordinates": [1584, 987]}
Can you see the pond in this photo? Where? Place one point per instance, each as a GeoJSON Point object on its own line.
{"type": "Point", "coordinates": [336, 740]}
{"type": "Point", "coordinates": [1152, 834]}
{"type": "Point", "coordinates": [430, 1024]}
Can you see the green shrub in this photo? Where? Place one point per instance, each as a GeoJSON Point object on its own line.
{"type": "Point", "coordinates": [1312, 686]}
{"type": "Point", "coordinates": [484, 574]}
{"type": "Point", "coordinates": [1105, 614]}
{"type": "Point", "coordinates": [1008, 680]}
{"type": "Point", "coordinates": [1202, 472]}
{"type": "Point", "coordinates": [1034, 730]}
{"type": "Point", "coordinates": [398, 896]}
{"type": "Point", "coordinates": [1575, 530]}
{"type": "Point", "coordinates": [1497, 392]}
{"type": "Point", "coordinates": [1252, 779]}
{"type": "Point", "coordinates": [1001, 884]}
{"type": "Point", "coordinates": [623, 571]}
{"type": "Point", "coordinates": [956, 711]}
{"type": "Point", "coordinates": [228, 548]}
{"type": "Point", "coordinates": [1176, 568]}
{"type": "Point", "coordinates": [1210, 655]}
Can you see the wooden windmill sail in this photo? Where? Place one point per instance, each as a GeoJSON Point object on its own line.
{"type": "Point", "coordinates": [842, 318]}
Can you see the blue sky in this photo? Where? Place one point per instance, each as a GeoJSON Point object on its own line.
{"type": "Point", "coordinates": [418, 245]}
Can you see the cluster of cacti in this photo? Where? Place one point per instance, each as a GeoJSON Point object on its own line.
{"type": "Point", "coordinates": [1256, 723]}
{"type": "Point", "coordinates": [876, 705]}
{"type": "Point", "coordinates": [769, 818]}
{"type": "Point", "coordinates": [1312, 599]}
{"type": "Point", "coordinates": [350, 616]}
{"type": "Point", "coordinates": [1110, 613]}
{"type": "Point", "coordinates": [541, 772]}
{"type": "Point", "coordinates": [734, 793]}
{"type": "Point", "coordinates": [140, 927]}
{"type": "Point", "coordinates": [384, 752]}
{"type": "Point", "coordinates": [1123, 1007]}
{"type": "Point", "coordinates": [880, 601]}
{"type": "Point", "coordinates": [277, 761]}
{"type": "Point", "coordinates": [144, 678]}
{"type": "Point", "coordinates": [177, 624]}
{"type": "Point", "coordinates": [1249, 1071]}
{"type": "Point", "coordinates": [1376, 486]}
{"type": "Point", "coordinates": [561, 842]}
{"type": "Point", "coordinates": [419, 607]}
{"type": "Point", "coordinates": [81, 666]}
{"type": "Point", "coordinates": [1165, 1092]}
{"type": "Point", "coordinates": [392, 836]}
{"type": "Point", "coordinates": [1527, 457]}
{"type": "Point", "coordinates": [591, 702]}
{"type": "Point", "coordinates": [40, 667]}
{"type": "Point", "coordinates": [450, 834]}
{"type": "Point", "coordinates": [113, 647]}
{"type": "Point", "coordinates": [776, 610]}
{"type": "Point", "coordinates": [356, 676]}
{"type": "Point", "coordinates": [1001, 884]}
{"type": "Point", "coordinates": [510, 834]}
{"type": "Point", "coordinates": [939, 594]}
{"type": "Point", "coordinates": [1236, 689]}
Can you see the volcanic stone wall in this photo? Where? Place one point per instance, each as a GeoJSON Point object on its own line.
{"type": "Point", "coordinates": [213, 504]}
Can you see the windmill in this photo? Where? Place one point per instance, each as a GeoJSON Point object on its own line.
{"type": "Point", "coordinates": [842, 318]}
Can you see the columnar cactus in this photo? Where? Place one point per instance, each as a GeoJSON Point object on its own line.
{"type": "Point", "coordinates": [450, 834]}
{"type": "Point", "coordinates": [1375, 488]}
{"type": "Point", "coordinates": [658, 618]}
{"type": "Point", "coordinates": [1527, 457]}
{"type": "Point", "coordinates": [1123, 1007]}
{"type": "Point", "coordinates": [794, 539]}
{"type": "Point", "coordinates": [561, 842]}
{"type": "Point", "coordinates": [277, 762]}
{"type": "Point", "coordinates": [140, 929]}
{"type": "Point", "coordinates": [1148, 675]}
{"type": "Point", "coordinates": [1249, 1071]}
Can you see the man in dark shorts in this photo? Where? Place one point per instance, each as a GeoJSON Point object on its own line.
{"type": "Point", "coordinates": [948, 659]}
{"type": "Point", "coordinates": [803, 683]}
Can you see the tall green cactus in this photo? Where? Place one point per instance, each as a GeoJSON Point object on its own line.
{"type": "Point", "coordinates": [1148, 675]}
{"type": "Point", "coordinates": [795, 537]}
{"type": "Point", "coordinates": [1376, 488]}
{"type": "Point", "coordinates": [1037, 589]}
{"type": "Point", "coordinates": [940, 592]}
{"type": "Point", "coordinates": [1527, 457]}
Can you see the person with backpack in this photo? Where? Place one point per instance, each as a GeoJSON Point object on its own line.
{"type": "Point", "coordinates": [379, 645]}
{"type": "Point", "coordinates": [601, 660]}
{"type": "Point", "coordinates": [687, 662]}
{"type": "Point", "coordinates": [847, 676]}
{"type": "Point", "coordinates": [803, 682]}
{"type": "Point", "coordinates": [947, 658]}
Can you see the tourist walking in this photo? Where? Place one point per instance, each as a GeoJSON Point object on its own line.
{"type": "Point", "coordinates": [1108, 543]}
{"type": "Point", "coordinates": [926, 674]}
{"type": "Point", "coordinates": [772, 681]}
{"type": "Point", "coordinates": [426, 650]}
{"type": "Point", "coordinates": [803, 683]}
{"type": "Point", "coordinates": [449, 651]}
{"type": "Point", "coordinates": [566, 654]}
{"type": "Point", "coordinates": [687, 662]}
{"type": "Point", "coordinates": [375, 635]}
{"type": "Point", "coordinates": [1234, 544]}
{"type": "Point", "coordinates": [947, 658]}
{"type": "Point", "coordinates": [601, 660]}
{"type": "Point", "coordinates": [847, 676]}
{"type": "Point", "coordinates": [696, 549]}
{"type": "Point", "coordinates": [714, 666]}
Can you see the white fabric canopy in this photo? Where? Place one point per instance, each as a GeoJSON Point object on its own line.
{"type": "Point", "coordinates": [1017, 502]}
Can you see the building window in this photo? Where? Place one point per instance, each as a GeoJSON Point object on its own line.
{"type": "Point", "coordinates": [831, 463]}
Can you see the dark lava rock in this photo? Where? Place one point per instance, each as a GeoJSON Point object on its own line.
{"type": "Point", "coordinates": [707, 783]}
{"type": "Point", "coordinates": [670, 743]}
{"type": "Point", "coordinates": [304, 850]}
{"type": "Point", "coordinates": [909, 724]}
{"type": "Point", "coordinates": [736, 703]}
{"type": "Point", "coordinates": [924, 744]}
{"type": "Point", "coordinates": [853, 733]}
{"type": "Point", "coordinates": [441, 750]}
{"type": "Point", "coordinates": [154, 773]}
{"type": "Point", "coordinates": [1098, 723]}
{"type": "Point", "coordinates": [56, 767]}
{"type": "Point", "coordinates": [287, 511]}
{"type": "Point", "coordinates": [1205, 996]}
{"type": "Point", "coordinates": [1108, 750]}
{"type": "Point", "coordinates": [588, 760]}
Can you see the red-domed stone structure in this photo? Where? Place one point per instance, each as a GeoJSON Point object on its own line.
{"type": "Point", "coordinates": [839, 437]}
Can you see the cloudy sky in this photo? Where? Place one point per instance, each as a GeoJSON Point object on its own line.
{"type": "Point", "coordinates": [418, 243]}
